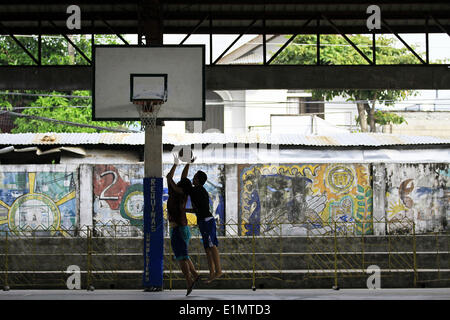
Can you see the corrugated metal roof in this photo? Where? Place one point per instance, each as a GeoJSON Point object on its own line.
{"type": "Point", "coordinates": [336, 140]}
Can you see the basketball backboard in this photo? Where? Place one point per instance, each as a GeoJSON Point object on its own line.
{"type": "Point", "coordinates": [123, 74]}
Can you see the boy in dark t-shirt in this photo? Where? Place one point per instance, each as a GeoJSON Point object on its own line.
{"type": "Point", "coordinates": [179, 229]}
{"type": "Point", "coordinates": [205, 221]}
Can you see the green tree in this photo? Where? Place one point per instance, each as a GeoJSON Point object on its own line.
{"type": "Point", "coordinates": [55, 51]}
{"type": "Point", "coordinates": [335, 50]}
{"type": "Point", "coordinates": [61, 108]}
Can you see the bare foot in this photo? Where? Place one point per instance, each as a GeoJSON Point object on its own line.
{"type": "Point", "coordinates": [212, 278]}
{"type": "Point", "coordinates": [192, 284]}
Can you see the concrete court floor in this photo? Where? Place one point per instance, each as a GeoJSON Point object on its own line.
{"type": "Point", "coordinates": [226, 295]}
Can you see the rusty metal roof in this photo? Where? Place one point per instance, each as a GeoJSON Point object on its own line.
{"type": "Point", "coordinates": [335, 140]}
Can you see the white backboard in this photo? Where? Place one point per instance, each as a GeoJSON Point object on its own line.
{"type": "Point", "coordinates": [120, 70]}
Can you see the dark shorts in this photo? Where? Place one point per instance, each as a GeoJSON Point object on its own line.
{"type": "Point", "coordinates": [208, 232]}
{"type": "Point", "coordinates": [179, 239]}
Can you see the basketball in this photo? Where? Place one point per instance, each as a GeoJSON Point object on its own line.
{"type": "Point", "coordinates": [185, 154]}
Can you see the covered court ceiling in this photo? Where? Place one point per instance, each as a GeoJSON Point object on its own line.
{"type": "Point", "coordinates": [262, 17]}
{"type": "Point", "coordinates": [225, 16]}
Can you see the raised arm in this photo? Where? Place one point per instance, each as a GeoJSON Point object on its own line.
{"type": "Point", "coordinates": [176, 161]}
{"type": "Point", "coordinates": [185, 172]}
{"type": "Point", "coordinates": [169, 176]}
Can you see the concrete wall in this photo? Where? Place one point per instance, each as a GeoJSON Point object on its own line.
{"type": "Point", "coordinates": [277, 199]}
{"type": "Point", "coordinates": [424, 123]}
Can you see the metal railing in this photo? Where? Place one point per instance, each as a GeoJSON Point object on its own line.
{"type": "Point", "coordinates": [332, 253]}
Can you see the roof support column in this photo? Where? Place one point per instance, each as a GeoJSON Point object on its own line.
{"type": "Point", "coordinates": [151, 29]}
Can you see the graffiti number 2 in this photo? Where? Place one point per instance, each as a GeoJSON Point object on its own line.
{"type": "Point", "coordinates": [102, 195]}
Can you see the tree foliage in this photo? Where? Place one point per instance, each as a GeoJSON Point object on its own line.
{"type": "Point", "coordinates": [335, 50]}
{"type": "Point", "coordinates": [61, 108]}
{"type": "Point", "coordinates": [55, 51]}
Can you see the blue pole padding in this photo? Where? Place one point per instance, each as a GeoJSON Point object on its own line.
{"type": "Point", "coordinates": [153, 233]}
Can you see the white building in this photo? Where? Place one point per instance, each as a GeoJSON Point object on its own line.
{"type": "Point", "coordinates": [283, 111]}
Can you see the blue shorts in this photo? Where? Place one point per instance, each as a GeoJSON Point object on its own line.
{"type": "Point", "coordinates": [208, 232]}
{"type": "Point", "coordinates": [179, 239]}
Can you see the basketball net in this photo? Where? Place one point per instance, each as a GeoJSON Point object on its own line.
{"type": "Point", "coordinates": [148, 112]}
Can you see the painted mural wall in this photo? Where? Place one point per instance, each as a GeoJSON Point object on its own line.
{"type": "Point", "coordinates": [119, 199]}
{"type": "Point", "coordinates": [419, 193]}
{"type": "Point", "coordinates": [300, 199]}
{"type": "Point", "coordinates": [40, 201]}
{"type": "Point", "coordinates": [288, 199]}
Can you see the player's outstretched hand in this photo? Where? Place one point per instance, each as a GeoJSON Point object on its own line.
{"type": "Point", "coordinates": [176, 160]}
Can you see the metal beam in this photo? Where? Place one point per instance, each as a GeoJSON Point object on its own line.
{"type": "Point", "coordinates": [234, 42]}
{"type": "Point", "coordinates": [17, 41]}
{"type": "Point", "coordinates": [193, 31]}
{"type": "Point", "coordinates": [222, 29]}
{"type": "Point", "coordinates": [328, 77]}
{"type": "Point", "coordinates": [73, 44]}
{"type": "Point", "coordinates": [441, 27]}
{"type": "Point", "coordinates": [117, 34]}
{"type": "Point", "coordinates": [27, 17]}
{"type": "Point", "coordinates": [64, 78]}
{"type": "Point", "coordinates": [348, 40]}
{"type": "Point", "coordinates": [233, 77]}
{"type": "Point", "coordinates": [227, 2]}
{"type": "Point", "coordinates": [286, 44]}
{"type": "Point", "coordinates": [402, 41]}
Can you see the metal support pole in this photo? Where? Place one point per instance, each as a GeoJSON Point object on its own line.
{"type": "Point", "coordinates": [170, 273]}
{"type": "Point", "coordinates": [318, 43]}
{"type": "Point", "coordinates": [151, 15]}
{"type": "Point", "coordinates": [374, 48]}
{"type": "Point", "coordinates": [362, 253]}
{"type": "Point", "coordinates": [153, 152]}
{"type": "Point", "coordinates": [335, 258]}
{"type": "Point", "coordinates": [264, 36]}
{"type": "Point", "coordinates": [6, 284]}
{"type": "Point", "coordinates": [92, 39]}
{"type": "Point", "coordinates": [90, 287]}
{"type": "Point", "coordinates": [390, 252]}
{"type": "Point", "coordinates": [438, 260]}
{"type": "Point", "coordinates": [40, 44]}
{"type": "Point", "coordinates": [427, 43]}
{"type": "Point", "coordinates": [210, 39]}
{"type": "Point", "coordinates": [414, 254]}
{"type": "Point", "coordinates": [253, 259]}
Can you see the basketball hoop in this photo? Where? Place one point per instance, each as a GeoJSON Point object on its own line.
{"type": "Point", "coordinates": [148, 112]}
